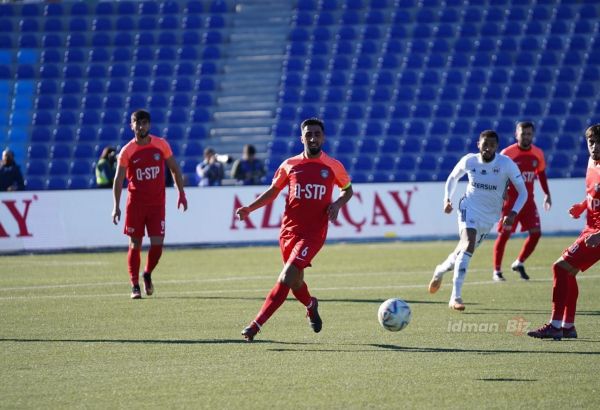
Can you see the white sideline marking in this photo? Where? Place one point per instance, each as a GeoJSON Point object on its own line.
{"type": "Point", "coordinates": [263, 290]}
{"type": "Point", "coordinates": [225, 279]}
{"type": "Point", "coordinates": [57, 262]}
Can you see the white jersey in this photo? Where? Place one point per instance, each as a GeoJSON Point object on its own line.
{"type": "Point", "coordinates": [487, 185]}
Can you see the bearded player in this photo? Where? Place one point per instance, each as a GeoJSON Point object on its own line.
{"type": "Point", "coordinates": [309, 177]}
{"type": "Point", "coordinates": [142, 161]}
{"type": "Point", "coordinates": [530, 160]}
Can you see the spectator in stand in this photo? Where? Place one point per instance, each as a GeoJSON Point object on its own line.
{"type": "Point", "coordinates": [210, 170]}
{"type": "Point", "coordinates": [248, 170]}
{"type": "Point", "coordinates": [11, 178]}
{"type": "Point", "coordinates": [106, 168]}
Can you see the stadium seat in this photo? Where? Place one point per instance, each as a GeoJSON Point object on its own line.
{"type": "Point", "coordinates": [367, 145]}
{"type": "Point", "coordinates": [412, 142]}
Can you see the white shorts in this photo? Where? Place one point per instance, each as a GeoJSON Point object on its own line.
{"type": "Point", "coordinates": [469, 218]}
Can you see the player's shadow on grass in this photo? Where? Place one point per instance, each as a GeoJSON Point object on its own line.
{"type": "Point", "coordinates": [137, 341]}
{"type": "Point", "coordinates": [321, 300]}
{"type": "Point", "coordinates": [478, 351]}
{"type": "Point", "coordinates": [379, 301]}
{"type": "Point", "coordinates": [506, 379]}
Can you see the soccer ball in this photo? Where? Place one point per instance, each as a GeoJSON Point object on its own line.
{"type": "Point", "coordinates": [394, 314]}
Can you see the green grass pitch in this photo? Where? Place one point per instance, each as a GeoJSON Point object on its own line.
{"type": "Point", "coordinates": [70, 336]}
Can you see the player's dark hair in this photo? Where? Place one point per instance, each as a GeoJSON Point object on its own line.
{"type": "Point", "coordinates": [140, 115]}
{"type": "Point", "coordinates": [489, 134]}
{"type": "Point", "coordinates": [592, 131]}
{"type": "Point", "coordinates": [526, 124]}
{"type": "Point", "coordinates": [312, 121]}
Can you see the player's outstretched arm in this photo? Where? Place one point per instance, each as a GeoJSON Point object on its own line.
{"type": "Point", "coordinates": [117, 189]}
{"type": "Point", "coordinates": [265, 198]}
{"type": "Point", "coordinates": [334, 208]}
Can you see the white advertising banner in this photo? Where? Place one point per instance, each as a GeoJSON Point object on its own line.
{"type": "Point", "coordinates": [59, 220]}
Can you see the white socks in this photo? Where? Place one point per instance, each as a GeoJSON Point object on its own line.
{"type": "Point", "coordinates": [460, 272]}
{"type": "Point", "coordinates": [445, 266]}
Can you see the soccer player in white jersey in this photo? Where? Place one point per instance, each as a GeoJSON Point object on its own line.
{"type": "Point", "coordinates": [479, 208]}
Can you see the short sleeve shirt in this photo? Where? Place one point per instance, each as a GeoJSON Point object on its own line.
{"type": "Point", "coordinates": [310, 182]}
{"type": "Point", "coordinates": [531, 162]}
{"type": "Point", "coordinates": [145, 166]}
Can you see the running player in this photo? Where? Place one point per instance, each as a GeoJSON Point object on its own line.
{"type": "Point", "coordinates": [309, 177]}
{"type": "Point", "coordinates": [478, 210]}
{"type": "Point", "coordinates": [580, 256]}
{"type": "Point", "coordinates": [142, 160]}
{"type": "Point", "coordinates": [530, 160]}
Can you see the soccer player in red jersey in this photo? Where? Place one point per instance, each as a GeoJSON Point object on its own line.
{"type": "Point", "coordinates": [142, 161]}
{"type": "Point", "coordinates": [310, 177]}
{"type": "Point", "coordinates": [581, 255]}
{"type": "Point", "coordinates": [530, 160]}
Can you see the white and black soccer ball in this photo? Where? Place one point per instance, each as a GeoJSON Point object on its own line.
{"type": "Point", "coordinates": [394, 314]}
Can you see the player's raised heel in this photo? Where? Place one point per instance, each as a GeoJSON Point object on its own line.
{"type": "Point", "coordinates": [547, 332]}
{"type": "Point", "coordinates": [456, 304]}
{"type": "Point", "coordinates": [312, 312]}
{"type": "Point", "coordinates": [519, 267]}
{"type": "Point", "coordinates": [136, 293]}
{"type": "Point", "coordinates": [251, 331]}
{"type": "Point", "coordinates": [148, 286]}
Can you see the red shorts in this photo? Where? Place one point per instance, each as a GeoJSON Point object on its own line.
{"type": "Point", "coordinates": [139, 217]}
{"type": "Point", "coordinates": [580, 256]}
{"type": "Point", "coordinates": [299, 251]}
{"type": "Point", "coordinates": [528, 217]}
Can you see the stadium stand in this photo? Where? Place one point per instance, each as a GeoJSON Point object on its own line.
{"type": "Point", "coordinates": [407, 85]}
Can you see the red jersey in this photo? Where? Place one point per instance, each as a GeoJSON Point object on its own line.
{"type": "Point", "coordinates": [146, 170]}
{"type": "Point", "coordinates": [592, 189]}
{"type": "Point", "coordinates": [532, 165]}
{"type": "Point", "coordinates": [310, 182]}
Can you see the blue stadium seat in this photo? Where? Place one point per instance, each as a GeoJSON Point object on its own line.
{"type": "Point", "coordinates": [34, 184]}
{"type": "Point", "coordinates": [58, 167]}
{"type": "Point", "coordinates": [56, 183]}
{"type": "Point", "coordinates": [40, 134]}
{"type": "Point", "coordinates": [36, 167]}
{"type": "Point", "coordinates": [37, 152]}
{"type": "Point", "coordinates": [84, 151]}
{"type": "Point", "coordinates": [192, 149]}
{"type": "Point", "coordinates": [350, 129]}
{"type": "Point", "coordinates": [412, 144]}
{"type": "Point", "coordinates": [367, 145]}
{"type": "Point", "coordinates": [81, 167]}
{"type": "Point", "coordinates": [400, 110]}
{"type": "Point", "coordinates": [376, 111]}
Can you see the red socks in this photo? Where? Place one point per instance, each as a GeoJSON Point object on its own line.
{"type": "Point", "coordinates": [274, 299]}
{"type": "Point", "coordinates": [133, 265]}
{"type": "Point", "coordinates": [529, 245]}
{"type": "Point", "coordinates": [559, 292]}
{"type": "Point", "coordinates": [154, 254]}
{"type": "Point", "coordinates": [302, 294]}
{"type": "Point", "coordinates": [499, 247]}
{"type": "Point", "coordinates": [571, 305]}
